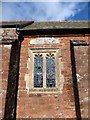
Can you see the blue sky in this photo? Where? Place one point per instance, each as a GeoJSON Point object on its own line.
{"type": "Point", "coordinates": [44, 11]}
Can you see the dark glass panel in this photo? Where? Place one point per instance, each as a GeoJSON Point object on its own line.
{"type": "Point", "coordinates": [50, 70]}
{"type": "Point", "coordinates": [38, 71]}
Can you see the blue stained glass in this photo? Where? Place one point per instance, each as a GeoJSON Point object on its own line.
{"type": "Point", "coordinates": [38, 71]}
{"type": "Point", "coordinates": [50, 71]}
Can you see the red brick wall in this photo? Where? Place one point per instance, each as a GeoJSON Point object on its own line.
{"type": "Point", "coordinates": [49, 105]}
{"type": "Point", "coordinates": [81, 55]}
{"type": "Point", "coordinates": [4, 73]}
{"type": "Point", "coordinates": [44, 105]}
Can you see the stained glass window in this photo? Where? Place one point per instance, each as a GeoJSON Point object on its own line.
{"type": "Point", "coordinates": [38, 70]}
{"type": "Point", "coordinates": [50, 70]}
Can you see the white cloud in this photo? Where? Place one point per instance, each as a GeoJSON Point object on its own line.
{"type": "Point", "coordinates": [40, 11]}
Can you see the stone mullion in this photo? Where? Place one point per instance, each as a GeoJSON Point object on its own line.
{"type": "Point", "coordinates": [44, 70]}
{"type": "Point", "coordinates": [56, 73]}
{"type": "Point", "coordinates": [32, 76]}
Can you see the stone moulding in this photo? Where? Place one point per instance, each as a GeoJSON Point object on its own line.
{"type": "Point", "coordinates": [29, 76]}
{"type": "Point", "coordinates": [45, 40]}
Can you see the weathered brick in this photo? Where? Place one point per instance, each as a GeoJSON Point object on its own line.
{"type": "Point", "coordinates": [49, 105]}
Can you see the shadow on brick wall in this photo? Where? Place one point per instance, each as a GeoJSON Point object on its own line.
{"type": "Point", "coordinates": [12, 85]}
{"type": "Point", "coordinates": [75, 84]}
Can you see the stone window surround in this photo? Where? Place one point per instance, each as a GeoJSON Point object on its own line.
{"type": "Point", "coordinates": [30, 76]}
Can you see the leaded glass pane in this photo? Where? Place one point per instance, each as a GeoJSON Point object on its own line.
{"type": "Point", "coordinates": [38, 71]}
{"type": "Point", "coordinates": [50, 70]}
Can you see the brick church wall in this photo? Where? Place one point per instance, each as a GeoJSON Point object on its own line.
{"type": "Point", "coordinates": [5, 50]}
{"type": "Point", "coordinates": [81, 55]}
{"type": "Point", "coordinates": [4, 74]}
{"type": "Point", "coordinates": [48, 105]}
